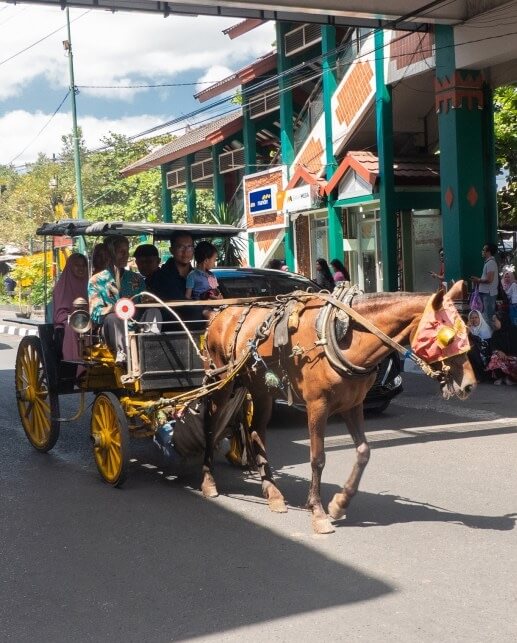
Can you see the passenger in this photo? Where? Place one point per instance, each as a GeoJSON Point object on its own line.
{"type": "Point", "coordinates": [201, 282]}
{"type": "Point", "coordinates": [170, 281]}
{"type": "Point", "coordinates": [105, 288]}
{"type": "Point", "coordinates": [147, 260]}
{"type": "Point", "coordinates": [100, 258]}
{"type": "Point", "coordinates": [72, 283]}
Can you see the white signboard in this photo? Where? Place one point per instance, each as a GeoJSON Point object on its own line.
{"type": "Point", "coordinates": [299, 199]}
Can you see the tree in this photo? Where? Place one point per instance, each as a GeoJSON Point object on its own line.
{"type": "Point", "coordinates": [505, 118]}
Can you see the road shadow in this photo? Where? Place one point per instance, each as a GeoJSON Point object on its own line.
{"type": "Point", "coordinates": [153, 561]}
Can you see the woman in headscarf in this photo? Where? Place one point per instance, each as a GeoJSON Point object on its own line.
{"type": "Point", "coordinates": [71, 285]}
{"type": "Point", "coordinates": [503, 361]}
{"type": "Point", "coordinates": [480, 334]}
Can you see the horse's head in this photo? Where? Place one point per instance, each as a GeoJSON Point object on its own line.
{"type": "Point", "coordinates": [441, 339]}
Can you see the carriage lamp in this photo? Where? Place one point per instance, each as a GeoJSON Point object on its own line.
{"type": "Point", "coordinates": [445, 336]}
{"type": "Point", "coordinates": [80, 319]}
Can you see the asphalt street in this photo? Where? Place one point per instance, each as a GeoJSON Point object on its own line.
{"type": "Point", "coordinates": [427, 552]}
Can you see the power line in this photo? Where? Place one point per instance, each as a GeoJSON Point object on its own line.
{"type": "Point", "coordinates": [41, 130]}
{"type": "Point", "coordinates": [6, 60]}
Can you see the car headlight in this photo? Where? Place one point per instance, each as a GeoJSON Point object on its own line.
{"type": "Point", "coordinates": [395, 382]}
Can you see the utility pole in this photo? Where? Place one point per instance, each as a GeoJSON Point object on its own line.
{"type": "Point", "coordinates": [67, 44]}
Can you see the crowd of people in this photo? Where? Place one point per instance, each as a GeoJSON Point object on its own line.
{"type": "Point", "coordinates": [493, 327]}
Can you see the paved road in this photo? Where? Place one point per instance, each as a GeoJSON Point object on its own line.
{"type": "Point", "coordinates": [427, 553]}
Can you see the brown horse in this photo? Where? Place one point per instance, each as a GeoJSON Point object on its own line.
{"type": "Point", "coordinates": [302, 365]}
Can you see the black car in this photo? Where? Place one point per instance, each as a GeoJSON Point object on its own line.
{"type": "Point", "coordinates": [256, 282]}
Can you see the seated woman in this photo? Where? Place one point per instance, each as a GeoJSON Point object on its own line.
{"type": "Point", "coordinates": [479, 335]}
{"type": "Point", "coordinates": [72, 284]}
{"type": "Point", "coordinates": [100, 258]}
{"type": "Point", "coordinates": [106, 287]}
{"type": "Point", "coordinates": [503, 361]}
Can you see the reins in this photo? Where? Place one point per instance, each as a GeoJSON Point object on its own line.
{"type": "Point", "coordinates": [441, 374]}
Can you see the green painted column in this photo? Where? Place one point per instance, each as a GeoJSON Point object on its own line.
{"type": "Point", "coordinates": [190, 189]}
{"type": "Point", "coordinates": [250, 161]}
{"type": "Point", "coordinates": [166, 196]}
{"type": "Point", "coordinates": [388, 213]}
{"type": "Point", "coordinates": [463, 154]}
{"type": "Point", "coordinates": [286, 128]}
{"type": "Point", "coordinates": [335, 225]}
{"type": "Point", "coordinates": [218, 178]}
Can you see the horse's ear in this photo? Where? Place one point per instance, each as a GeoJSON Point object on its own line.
{"type": "Point", "coordinates": [458, 290]}
{"type": "Point", "coordinates": [438, 299]}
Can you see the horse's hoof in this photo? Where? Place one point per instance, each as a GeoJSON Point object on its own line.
{"type": "Point", "coordinates": [335, 511]}
{"type": "Point", "coordinates": [277, 505]}
{"type": "Point", "coordinates": [209, 489]}
{"type": "Point", "coordinates": [322, 526]}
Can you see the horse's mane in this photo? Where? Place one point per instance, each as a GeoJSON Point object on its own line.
{"type": "Point", "coordinates": [375, 300]}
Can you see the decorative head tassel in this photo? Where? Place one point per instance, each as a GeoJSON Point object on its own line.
{"type": "Point", "coordinates": [271, 379]}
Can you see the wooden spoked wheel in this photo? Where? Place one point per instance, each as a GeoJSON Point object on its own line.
{"type": "Point", "coordinates": [37, 405]}
{"type": "Point", "coordinates": [110, 438]}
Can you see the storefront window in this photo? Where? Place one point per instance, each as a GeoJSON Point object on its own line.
{"type": "Point", "coordinates": [426, 241]}
{"type": "Point", "coordinates": [319, 241]}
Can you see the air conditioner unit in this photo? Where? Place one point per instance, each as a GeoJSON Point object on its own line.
{"type": "Point", "coordinates": [201, 170]}
{"type": "Point", "coordinates": [302, 37]}
{"type": "Point", "coordinates": [230, 161]}
{"type": "Point", "coordinates": [264, 103]}
{"type": "Point", "coordinates": [176, 178]}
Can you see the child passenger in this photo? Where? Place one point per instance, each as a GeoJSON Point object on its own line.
{"type": "Point", "coordinates": [201, 282]}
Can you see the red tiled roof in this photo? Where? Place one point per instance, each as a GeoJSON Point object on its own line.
{"type": "Point", "coordinates": [190, 142]}
{"type": "Point", "coordinates": [245, 75]}
{"type": "Point", "coordinates": [424, 170]}
{"type": "Point", "coordinates": [243, 27]}
{"type": "Point", "coordinates": [303, 174]}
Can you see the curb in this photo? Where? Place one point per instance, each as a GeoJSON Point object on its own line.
{"type": "Point", "coordinates": [17, 330]}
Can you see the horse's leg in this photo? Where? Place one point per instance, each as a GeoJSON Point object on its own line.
{"type": "Point", "coordinates": [262, 408]}
{"type": "Point", "coordinates": [208, 486]}
{"type": "Point", "coordinates": [355, 423]}
{"type": "Point", "coordinates": [317, 422]}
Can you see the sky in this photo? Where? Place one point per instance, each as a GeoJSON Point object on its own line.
{"type": "Point", "coordinates": [109, 50]}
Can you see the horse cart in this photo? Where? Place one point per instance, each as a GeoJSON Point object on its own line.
{"type": "Point", "coordinates": [159, 393]}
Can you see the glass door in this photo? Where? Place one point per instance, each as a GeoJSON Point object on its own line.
{"type": "Point", "coordinates": [369, 252]}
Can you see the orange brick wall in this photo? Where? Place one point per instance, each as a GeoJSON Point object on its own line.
{"type": "Point", "coordinates": [274, 178]}
{"type": "Point", "coordinates": [410, 49]}
{"type": "Point", "coordinates": [265, 238]}
{"type": "Point", "coordinates": [354, 92]}
{"type": "Point", "coordinates": [311, 156]}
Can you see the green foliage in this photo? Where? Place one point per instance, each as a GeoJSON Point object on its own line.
{"type": "Point", "coordinates": [231, 250]}
{"type": "Point", "coordinates": [505, 119]}
{"type": "Point", "coordinates": [30, 282]}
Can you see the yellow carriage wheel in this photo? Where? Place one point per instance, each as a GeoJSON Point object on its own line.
{"type": "Point", "coordinates": [110, 437]}
{"type": "Point", "coordinates": [37, 405]}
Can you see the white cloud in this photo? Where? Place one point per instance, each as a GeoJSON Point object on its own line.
{"type": "Point", "coordinates": [19, 128]}
{"type": "Point", "coordinates": [213, 73]}
{"type": "Point", "coordinates": [118, 49]}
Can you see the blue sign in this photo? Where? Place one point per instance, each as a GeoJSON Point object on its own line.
{"type": "Point", "coordinates": [262, 200]}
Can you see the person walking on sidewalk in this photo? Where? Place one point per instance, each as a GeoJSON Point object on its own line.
{"type": "Point", "coordinates": [489, 281]}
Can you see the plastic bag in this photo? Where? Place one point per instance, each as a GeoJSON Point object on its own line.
{"type": "Point", "coordinates": [475, 302]}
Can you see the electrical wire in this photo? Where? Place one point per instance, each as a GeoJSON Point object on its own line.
{"type": "Point", "coordinates": [6, 60]}
{"type": "Point", "coordinates": [41, 130]}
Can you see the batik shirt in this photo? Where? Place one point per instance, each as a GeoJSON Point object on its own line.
{"type": "Point", "coordinates": [103, 292]}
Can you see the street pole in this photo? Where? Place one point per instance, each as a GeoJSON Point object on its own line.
{"type": "Point", "coordinates": [77, 158]}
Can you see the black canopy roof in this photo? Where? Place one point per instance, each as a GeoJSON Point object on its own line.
{"type": "Point", "coordinates": [79, 227]}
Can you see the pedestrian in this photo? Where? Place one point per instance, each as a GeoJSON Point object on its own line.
{"type": "Point", "coordinates": [480, 335]}
{"type": "Point", "coordinates": [511, 293]}
{"type": "Point", "coordinates": [275, 264]}
{"type": "Point", "coordinates": [324, 277]}
{"type": "Point", "coordinates": [503, 361]}
{"type": "Point", "coordinates": [9, 285]}
{"type": "Point", "coordinates": [340, 271]}
{"type": "Point", "coordinates": [489, 281]}
{"type": "Point", "coordinates": [440, 275]}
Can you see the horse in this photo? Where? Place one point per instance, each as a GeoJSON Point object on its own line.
{"type": "Point", "coordinates": [326, 383]}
